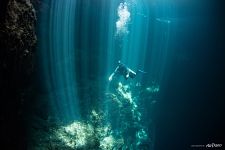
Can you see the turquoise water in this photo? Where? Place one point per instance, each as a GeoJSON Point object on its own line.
{"type": "Point", "coordinates": [80, 43]}
{"type": "Point", "coordinates": [83, 40]}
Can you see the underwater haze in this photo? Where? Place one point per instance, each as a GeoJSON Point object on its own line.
{"type": "Point", "coordinates": [126, 75]}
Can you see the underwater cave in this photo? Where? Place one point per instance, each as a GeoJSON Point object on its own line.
{"type": "Point", "coordinates": [111, 74]}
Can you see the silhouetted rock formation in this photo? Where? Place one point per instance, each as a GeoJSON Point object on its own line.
{"type": "Point", "coordinates": [17, 43]}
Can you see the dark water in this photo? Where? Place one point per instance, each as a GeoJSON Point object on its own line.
{"type": "Point", "coordinates": [178, 103]}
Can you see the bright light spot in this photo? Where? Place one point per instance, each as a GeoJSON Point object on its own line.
{"type": "Point", "coordinates": [153, 89]}
{"type": "Point", "coordinates": [124, 18]}
{"type": "Point", "coordinates": [76, 134]}
{"type": "Point", "coordinates": [107, 143]}
{"type": "Point", "coordinates": [94, 113]}
{"type": "Point", "coordinates": [124, 92]}
{"type": "Point", "coordinates": [141, 136]}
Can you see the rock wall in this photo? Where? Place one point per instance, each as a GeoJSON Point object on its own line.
{"type": "Point", "coordinates": [17, 44]}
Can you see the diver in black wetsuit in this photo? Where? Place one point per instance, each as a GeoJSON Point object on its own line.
{"type": "Point", "coordinates": [123, 70]}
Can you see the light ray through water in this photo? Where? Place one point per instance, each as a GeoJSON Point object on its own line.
{"type": "Point", "coordinates": [80, 48]}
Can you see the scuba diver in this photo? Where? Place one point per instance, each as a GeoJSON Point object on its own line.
{"type": "Point", "coordinates": [123, 70]}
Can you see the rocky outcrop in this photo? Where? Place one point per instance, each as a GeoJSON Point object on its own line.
{"type": "Point", "coordinates": [123, 125]}
{"type": "Point", "coordinates": [17, 33]}
{"type": "Point", "coordinates": [17, 44]}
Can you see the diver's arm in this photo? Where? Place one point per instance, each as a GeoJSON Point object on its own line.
{"type": "Point", "coordinates": [113, 74]}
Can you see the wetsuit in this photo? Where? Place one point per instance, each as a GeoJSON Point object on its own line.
{"type": "Point", "coordinates": [123, 70]}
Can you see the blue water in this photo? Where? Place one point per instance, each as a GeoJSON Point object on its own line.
{"type": "Point", "coordinates": [80, 43]}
